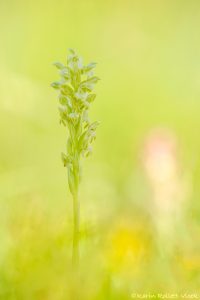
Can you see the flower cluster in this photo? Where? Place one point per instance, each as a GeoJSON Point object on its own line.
{"type": "Point", "coordinates": [75, 96]}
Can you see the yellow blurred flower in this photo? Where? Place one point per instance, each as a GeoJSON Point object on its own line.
{"type": "Point", "coordinates": [127, 246]}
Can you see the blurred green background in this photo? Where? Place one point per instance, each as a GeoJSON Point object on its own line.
{"type": "Point", "coordinates": [148, 55]}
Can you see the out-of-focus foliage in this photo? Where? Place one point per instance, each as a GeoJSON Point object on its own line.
{"type": "Point", "coordinates": [140, 205]}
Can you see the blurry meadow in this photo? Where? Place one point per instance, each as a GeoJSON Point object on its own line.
{"type": "Point", "coordinates": [140, 194]}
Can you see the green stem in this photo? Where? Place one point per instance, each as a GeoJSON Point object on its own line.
{"type": "Point", "coordinates": [75, 252]}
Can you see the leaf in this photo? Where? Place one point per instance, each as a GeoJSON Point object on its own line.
{"type": "Point", "coordinates": [90, 74]}
{"type": "Point", "coordinates": [92, 136]}
{"type": "Point", "coordinates": [56, 85]}
{"type": "Point", "coordinates": [71, 181]}
{"type": "Point", "coordinates": [88, 85]}
{"type": "Point", "coordinates": [65, 73]}
{"type": "Point", "coordinates": [74, 61]}
{"type": "Point", "coordinates": [65, 100]}
{"type": "Point", "coordinates": [84, 105]}
{"type": "Point", "coordinates": [88, 151]}
{"type": "Point", "coordinates": [66, 90]}
{"type": "Point", "coordinates": [94, 125]}
{"type": "Point", "coordinates": [80, 96]}
{"type": "Point", "coordinates": [72, 51]}
{"type": "Point", "coordinates": [93, 80]}
{"type": "Point", "coordinates": [81, 99]}
{"type": "Point", "coordinates": [63, 114]}
{"type": "Point", "coordinates": [66, 159]}
{"type": "Point", "coordinates": [89, 67]}
{"type": "Point", "coordinates": [85, 117]}
{"type": "Point", "coordinates": [62, 109]}
{"type": "Point", "coordinates": [80, 63]}
{"type": "Point", "coordinates": [73, 119]}
{"type": "Point", "coordinates": [62, 122]}
{"type": "Point", "coordinates": [72, 131]}
{"type": "Point", "coordinates": [59, 65]}
{"type": "Point", "coordinates": [73, 116]}
{"type": "Point", "coordinates": [83, 140]}
{"type": "Point", "coordinates": [69, 146]}
{"type": "Point", "coordinates": [78, 126]}
{"type": "Point", "coordinates": [91, 97]}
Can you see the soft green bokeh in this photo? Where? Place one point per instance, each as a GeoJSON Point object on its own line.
{"type": "Point", "coordinates": [148, 55]}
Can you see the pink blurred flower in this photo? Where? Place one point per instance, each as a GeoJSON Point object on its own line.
{"type": "Point", "coordinates": [162, 167]}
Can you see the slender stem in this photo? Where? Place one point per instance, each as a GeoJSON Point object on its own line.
{"type": "Point", "coordinates": [75, 253]}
